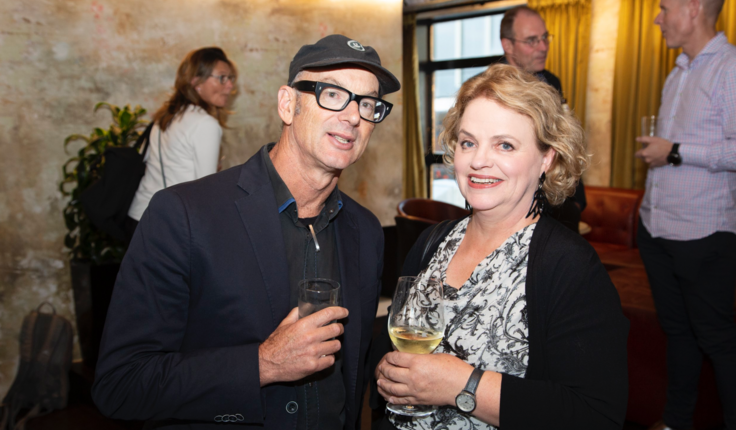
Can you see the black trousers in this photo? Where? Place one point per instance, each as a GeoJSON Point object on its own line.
{"type": "Point", "coordinates": [693, 283]}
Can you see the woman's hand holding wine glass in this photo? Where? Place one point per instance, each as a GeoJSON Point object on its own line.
{"type": "Point", "coordinates": [412, 379]}
{"type": "Point", "coordinates": [416, 325]}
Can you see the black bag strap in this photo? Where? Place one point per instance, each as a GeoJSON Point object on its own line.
{"type": "Point", "coordinates": [144, 139]}
{"type": "Point", "coordinates": [26, 334]}
{"type": "Point", "coordinates": [439, 231]}
{"type": "Point", "coordinates": [53, 334]}
{"type": "Point", "coordinates": [160, 157]}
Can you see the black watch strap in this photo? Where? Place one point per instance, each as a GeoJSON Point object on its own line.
{"type": "Point", "coordinates": [473, 381]}
{"type": "Point", "coordinates": [674, 158]}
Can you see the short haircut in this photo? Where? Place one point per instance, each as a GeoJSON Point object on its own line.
{"type": "Point", "coordinates": [712, 9]}
{"type": "Point", "coordinates": [507, 23]}
{"type": "Point", "coordinates": [554, 126]}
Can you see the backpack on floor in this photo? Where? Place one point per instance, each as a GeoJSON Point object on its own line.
{"type": "Point", "coordinates": [42, 382]}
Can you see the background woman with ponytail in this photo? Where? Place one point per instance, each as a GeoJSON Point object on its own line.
{"type": "Point", "coordinates": [185, 139]}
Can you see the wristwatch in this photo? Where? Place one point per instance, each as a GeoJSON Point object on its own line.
{"type": "Point", "coordinates": [674, 158]}
{"type": "Point", "coordinates": [465, 401]}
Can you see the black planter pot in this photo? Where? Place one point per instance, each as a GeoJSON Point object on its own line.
{"type": "Point", "coordinates": [92, 285]}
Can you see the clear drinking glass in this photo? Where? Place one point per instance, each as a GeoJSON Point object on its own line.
{"type": "Point", "coordinates": [649, 125]}
{"type": "Point", "coordinates": [416, 324]}
{"type": "Point", "coordinates": [317, 294]}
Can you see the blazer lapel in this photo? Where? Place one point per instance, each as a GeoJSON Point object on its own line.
{"type": "Point", "coordinates": [259, 213]}
{"type": "Point", "coordinates": [348, 249]}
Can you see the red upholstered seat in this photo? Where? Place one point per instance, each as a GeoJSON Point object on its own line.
{"type": "Point", "coordinates": [429, 211]}
{"type": "Point", "coordinates": [612, 214]}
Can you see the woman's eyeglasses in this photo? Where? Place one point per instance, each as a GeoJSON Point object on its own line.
{"type": "Point", "coordinates": [224, 78]}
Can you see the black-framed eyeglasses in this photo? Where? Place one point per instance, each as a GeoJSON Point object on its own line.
{"type": "Point", "coordinates": [532, 42]}
{"type": "Point", "coordinates": [334, 98]}
{"type": "Point", "coordinates": [224, 78]}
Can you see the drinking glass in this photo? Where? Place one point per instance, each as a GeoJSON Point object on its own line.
{"type": "Point", "coordinates": [649, 125]}
{"type": "Point", "coordinates": [416, 324]}
{"type": "Point", "coordinates": [317, 294]}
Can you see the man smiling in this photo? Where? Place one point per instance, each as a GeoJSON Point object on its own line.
{"type": "Point", "coordinates": [203, 327]}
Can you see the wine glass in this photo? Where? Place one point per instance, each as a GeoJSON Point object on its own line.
{"type": "Point", "coordinates": [416, 324]}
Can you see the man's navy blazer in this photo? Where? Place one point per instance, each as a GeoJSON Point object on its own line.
{"type": "Point", "coordinates": [204, 282]}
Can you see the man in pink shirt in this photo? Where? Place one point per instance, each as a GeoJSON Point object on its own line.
{"type": "Point", "coordinates": [687, 233]}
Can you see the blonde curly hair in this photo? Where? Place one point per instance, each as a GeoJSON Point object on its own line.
{"type": "Point", "coordinates": [554, 126]}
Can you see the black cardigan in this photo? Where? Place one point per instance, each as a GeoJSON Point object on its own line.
{"type": "Point", "coordinates": [577, 373]}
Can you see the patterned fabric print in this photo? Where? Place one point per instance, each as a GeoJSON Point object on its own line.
{"type": "Point", "coordinates": [486, 319]}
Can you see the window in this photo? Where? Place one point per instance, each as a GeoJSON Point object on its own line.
{"type": "Point", "coordinates": [451, 50]}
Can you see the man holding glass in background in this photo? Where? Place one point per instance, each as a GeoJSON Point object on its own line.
{"type": "Point", "coordinates": [687, 233]}
{"type": "Point", "coordinates": [525, 42]}
{"type": "Point", "coordinates": [203, 327]}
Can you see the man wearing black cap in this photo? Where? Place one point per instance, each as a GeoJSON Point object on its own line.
{"type": "Point", "coordinates": [203, 327]}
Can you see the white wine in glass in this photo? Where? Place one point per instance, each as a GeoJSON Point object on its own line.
{"type": "Point", "coordinates": [416, 324]}
{"type": "Point", "coordinates": [415, 340]}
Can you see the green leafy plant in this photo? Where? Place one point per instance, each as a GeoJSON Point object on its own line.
{"type": "Point", "coordinates": [84, 240]}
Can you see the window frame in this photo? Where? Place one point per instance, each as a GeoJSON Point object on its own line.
{"type": "Point", "coordinates": [428, 67]}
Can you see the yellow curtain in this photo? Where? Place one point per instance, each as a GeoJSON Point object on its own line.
{"type": "Point", "coordinates": [727, 21]}
{"type": "Point", "coordinates": [643, 62]}
{"type": "Point", "coordinates": [414, 172]}
{"type": "Point", "coordinates": [569, 23]}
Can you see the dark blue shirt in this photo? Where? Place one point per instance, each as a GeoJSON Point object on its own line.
{"type": "Point", "coordinates": [321, 396]}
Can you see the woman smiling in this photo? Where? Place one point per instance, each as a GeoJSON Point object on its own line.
{"type": "Point", "coordinates": [535, 337]}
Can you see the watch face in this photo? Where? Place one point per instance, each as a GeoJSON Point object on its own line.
{"type": "Point", "coordinates": [674, 159]}
{"type": "Point", "coordinates": [465, 402]}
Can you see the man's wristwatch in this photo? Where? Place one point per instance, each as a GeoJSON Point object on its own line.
{"type": "Point", "coordinates": [673, 158]}
{"type": "Point", "coordinates": [465, 401]}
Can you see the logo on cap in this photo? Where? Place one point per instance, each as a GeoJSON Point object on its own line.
{"type": "Point", "coordinates": [355, 45]}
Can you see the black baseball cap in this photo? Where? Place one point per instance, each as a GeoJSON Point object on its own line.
{"type": "Point", "coordinates": [337, 49]}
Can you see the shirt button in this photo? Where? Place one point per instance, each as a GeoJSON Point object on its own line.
{"type": "Point", "coordinates": [292, 407]}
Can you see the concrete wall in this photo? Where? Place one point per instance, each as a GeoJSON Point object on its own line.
{"type": "Point", "coordinates": [59, 57]}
